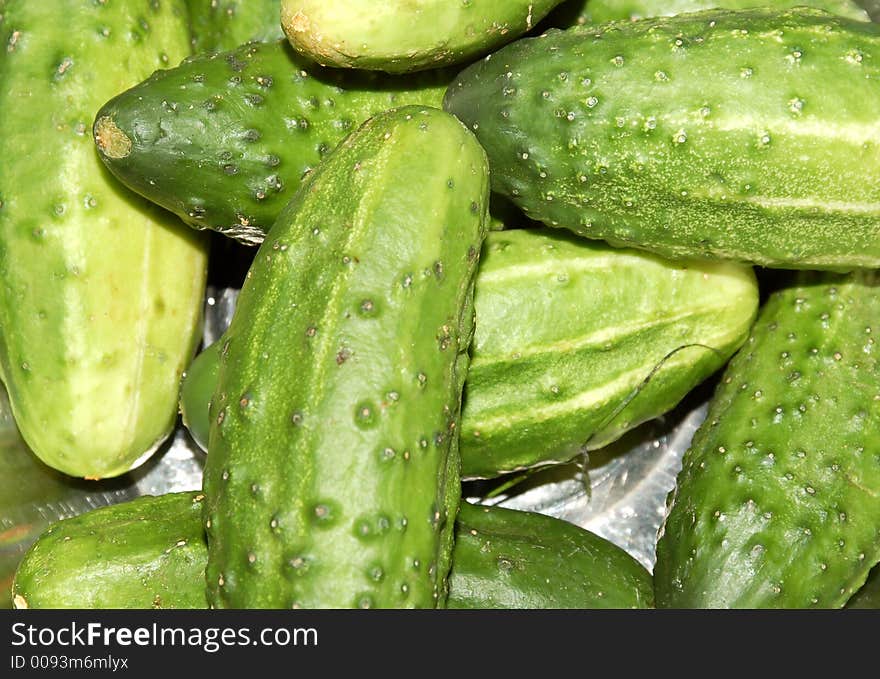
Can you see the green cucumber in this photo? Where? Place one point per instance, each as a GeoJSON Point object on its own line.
{"type": "Point", "coordinates": [102, 294]}
{"type": "Point", "coordinates": [332, 472]}
{"type": "Point", "coordinates": [576, 343]}
{"type": "Point", "coordinates": [224, 140]}
{"type": "Point", "coordinates": [151, 553]}
{"type": "Point", "coordinates": [404, 37]}
{"type": "Point", "coordinates": [778, 500]}
{"type": "Point", "coordinates": [220, 25]}
{"type": "Point", "coordinates": [580, 12]}
{"type": "Point", "coordinates": [868, 595]}
{"type": "Point", "coordinates": [145, 553]}
{"type": "Point", "coordinates": [506, 558]}
{"type": "Point", "coordinates": [744, 135]}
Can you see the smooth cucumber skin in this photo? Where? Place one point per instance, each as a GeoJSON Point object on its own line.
{"type": "Point", "coordinates": [224, 140]}
{"type": "Point", "coordinates": [332, 467]}
{"type": "Point", "coordinates": [742, 135]}
{"type": "Point", "coordinates": [778, 501]}
{"type": "Point", "coordinates": [506, 558]}
{"type": "Point", "coordinates": [575, 344]}
{"type": "Point", "coordinates": [580, 12]}
{"type": "Point", "coordinates": [220, 25]}
{"type": "Point", "coordinates": [400, 37]}
{"type": "Point", "coordinates": [101, 295]}
{"type": "Point", "coordinates": [144, 553]}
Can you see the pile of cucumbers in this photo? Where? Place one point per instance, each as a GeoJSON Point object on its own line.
{"type": "Point", "coordinates": [484, 238]}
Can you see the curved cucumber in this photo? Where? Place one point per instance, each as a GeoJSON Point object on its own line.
{"type": "Point", "coordinates": [576, 343]}
{"type": "Point", "coordinates": [151, 553]}
{"type": "Point", "coordinates": [102, 294]}
{"type": "Point", "coordinates": [145, 553]}
{"type": "Point", "coordinates": [224, 140]}
{"type": "Point", "coordinates": [220, 25]}
{"type": "Point", "coordinates": [402, 37]}
{"type": "Point", "coordinates": [743, 135]}
{"type": "Point", "coordinates": [332, 473]}
{"type": "Point", "coordinates": [778, 498]}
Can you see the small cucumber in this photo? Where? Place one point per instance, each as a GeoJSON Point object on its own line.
{"type": "Point", "coordinates": [742, 135]}
{"type": "Point", "coordinates": [144, 553]}
{"type": "Point", "coordinates": [220, 25]}
{"type": "Point", "coordinates": [151, 553]}
{"type": "Point", "coordinates": [224, 140]}
{"type": "Point", "coordinates": [401, 37]}
{"type": "Point", "coordinates": [778, 500]}
{"type": "Point", "coordinates": [332, 473]}
{"type": "Point", "coordinates": [576, 343]}
{"type": "Point", "coordinates": [102, 293]}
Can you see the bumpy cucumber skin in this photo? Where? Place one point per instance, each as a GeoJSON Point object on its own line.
{"type": "Point", "coordinates": [506, 558]}
{"type": "Point", "coordinates": [551, 375]}
{"type": "Point", "coordinates": [742, 135]}
{"type": "Point", "coordinates": [778, 501]}
{"type": "Point", "coordinates": [405, 37]}
{"type": "Point", "coordinates": [580, 12]}
{"type": "Point", "coordinates": [102, 293]}
{"type": "Point", "coordinates": [868, 595]}
{"type": "Point", "coordinates": [220, 25]}
{"type": "Point", "coordinates": [224, 140]}
{"type": "Point", "coordinates": [577, 342]}
{"type": "Point", "coordinates": [145, 553]}
{"type": "Point", "coordinates": [332, 471]}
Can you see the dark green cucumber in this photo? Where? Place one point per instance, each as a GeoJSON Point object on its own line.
{"type": "Point", "coordinates": [224, 140]}
{"type": "Point", "coordinates": [144, 553]}
{"type": "Point", "coordinates": [580, 12]}
{"type": "Point", "coordinates": [151, 553]}
{"type": "Point", "coordinates": [576, 343]}
{"type": "Point", "coordinates": [220, 25]}
{"type": "Point", "coordinates": [868, 595]}
{"type": "Point", "coordinates": [505, 558]}
{"type": "Point", "coordinates": [400, 37]}
{"type": "Point", "coordinates": [332, 472]}
{"type": "Point", "coordinates": [778, 500]}
{"type": "Point", "coordinates": [102, 293]}
{"type": "Point", "coordinates": [745, 135]}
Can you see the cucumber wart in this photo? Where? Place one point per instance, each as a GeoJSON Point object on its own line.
{"type": "Point", "coordinates": [332, 478]}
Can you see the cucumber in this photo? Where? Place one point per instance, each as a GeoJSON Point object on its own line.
{"type": "Point", "coordinates": [744, 135]}
{"type": "Point", "coordinates": [403, 37]}
{"type": "Point", "coordinates": [224, 140]}
{"type": "Point", "coordinates": [220, 25]}
{"type": "Point", "coordinates": [506, 558]}
{"type": "Point", "coordinates": [332, 472]}
{"type": "Point", "coordinates": [102, 294]}
{"type": "Point", "coordinates": [145, 553]}
{"type": "Point", "coordinates": [576, 343]}
{"type": "Point", "coordinates": [580, 12]}
{"type": "Point", "coordinates": [778, 500]}
{"type": "Point", "coordinates": [151, 553]}
{"type": "Point", "coordinates": [868, 595]}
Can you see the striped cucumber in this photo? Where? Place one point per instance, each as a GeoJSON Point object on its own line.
{"type": "Point", "coordinates": [744, 135]}
{"type": "Point", "coordinates": [332, 473]}
{"type": "Point", "coordinates": [220, 25]}
{"type": "Point", "coordinates": [151, 553]}
{"type": "Point", "coordinates": [576, 343]}
{"type": "Point", "coordinates": [144, 553]}
{"type": "Point", "coordinates": [100, 306]}
{"type": "Point", "coordinates": [778, 500]}
{"type": "Point", "coordinates": [224, 140]}
{"type": "Point", "coordinates": [410, 36]}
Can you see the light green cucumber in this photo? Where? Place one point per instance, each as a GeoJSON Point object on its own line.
{"type": "Point", "coordinates": [100, 306]}
{"type": "Point", "coordinates": [220, 25]}
{"type": "Point", "coordinates": [576, 343]}
{"type": "Point", "coordinates": [409, 36]}
{"type": "Point", "coordinates": [743, 135]}
{"type": "Point", "coordinates": [224, 140]}
{"type": "Point", "coordinates": [332, 477]}
{"type": "Point", "coordinates": [778, 500]}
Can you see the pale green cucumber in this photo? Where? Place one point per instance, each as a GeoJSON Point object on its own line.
{"type": "Point", "coordinates": [101, 295]}
{"type": "Point", "coordinates": [219, 25]}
